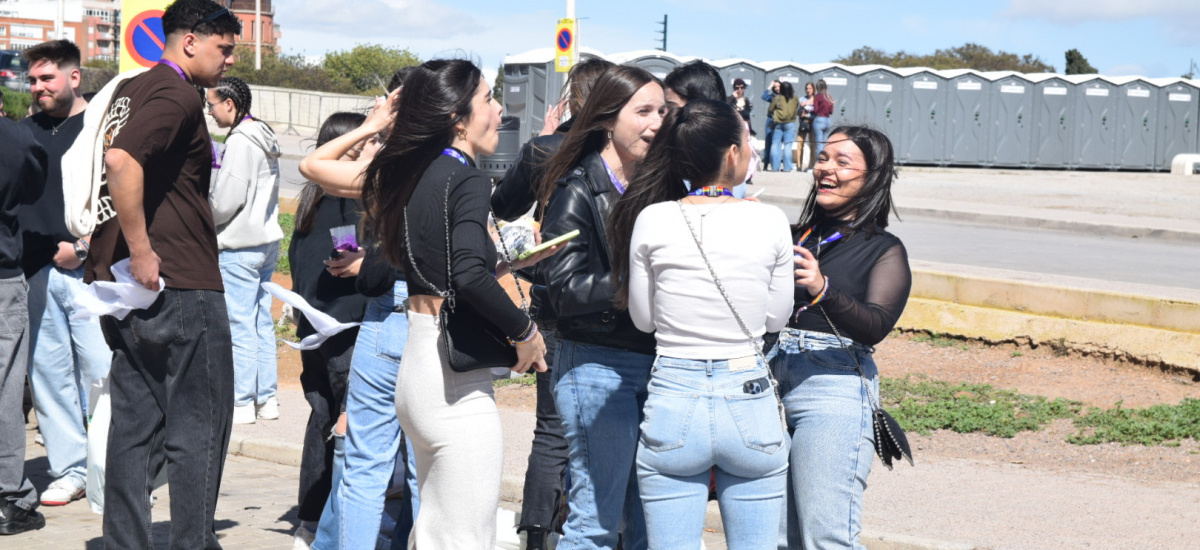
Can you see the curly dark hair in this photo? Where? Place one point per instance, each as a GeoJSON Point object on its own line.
{"type": "Point", "coordinates": [194, 16]}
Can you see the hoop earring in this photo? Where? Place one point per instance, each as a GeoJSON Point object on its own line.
{"type": "Point", "coordinates": [462, 135]}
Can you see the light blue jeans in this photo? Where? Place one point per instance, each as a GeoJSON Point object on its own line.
{"type": "Point", "coordinates": [782, 138]}
{"type": "Point", "coordinates": [702, 414]}
{"type": "Point", "coordinates": [821, 127]}
{"type": "Point", "coordinates": [354, 510]}
{"type": "Point", "coordinates": [255, 369]}
{"type": "Point", "coordinates": [829, 413]}
{"type": "Point", "coordinates": [67, 357]}
{"type": "Point", "coordinates": [600, 392]}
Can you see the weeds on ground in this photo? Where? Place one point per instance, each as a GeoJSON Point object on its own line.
{"type": "Point", "coordinates": [288, 223]}
{"type": "Point", "coordinates": [527, 379]}
{"type": "Point", "coordinates": [923, 405]}
{"type": "Point", "coordinates": [286, 330]}
{"type": "Point", "coordinates": [938, 340]}
{"type": "Point", "coordinates": [1155, 425]}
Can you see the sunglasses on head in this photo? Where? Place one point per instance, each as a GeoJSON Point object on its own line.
{"type": "Point", "coordinates": [212, 17]}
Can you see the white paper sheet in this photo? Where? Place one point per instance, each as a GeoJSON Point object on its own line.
{"type": "Point", "coordinates": [323, 323]}
{"type": "Point", "coordinates": [115, 298]}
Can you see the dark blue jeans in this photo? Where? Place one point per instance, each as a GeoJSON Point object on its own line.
{"type": "Point", "coordinates": [172, 403]}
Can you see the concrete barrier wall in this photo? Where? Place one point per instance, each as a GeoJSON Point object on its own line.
{"type": "Point", "coordinates": [302, 111]}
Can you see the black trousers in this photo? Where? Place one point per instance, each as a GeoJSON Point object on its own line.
{"type": "Point", "coordinates": [172, 406]}
{"type": "Point", "coordinates": [548, 457]}
{"type": "Point", "coordinates": [323, 377]}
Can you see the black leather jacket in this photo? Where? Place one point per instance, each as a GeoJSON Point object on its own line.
{"type": "Point", "coordinates": [517, 191]}
{"type": "Point", "coordinates": [579, 278]}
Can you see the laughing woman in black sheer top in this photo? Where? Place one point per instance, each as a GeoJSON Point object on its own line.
{"type": "Point", "coordinates": [852, 275]}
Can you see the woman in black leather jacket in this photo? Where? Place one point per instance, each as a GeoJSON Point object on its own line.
{"type": "Point", "coordinates": [603, 361]}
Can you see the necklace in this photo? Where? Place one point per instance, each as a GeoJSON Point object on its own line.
{"type": "Point", "coordinates": [724, 200]}
{"type": "Point", "coordinates": [54, 130]}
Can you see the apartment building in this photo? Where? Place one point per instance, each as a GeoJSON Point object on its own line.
{"type": "Point", "coordinates": [244, 10]}
{"type": "Point", "coordinates": [93, 25]}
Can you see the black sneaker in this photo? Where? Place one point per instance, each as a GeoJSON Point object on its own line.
{"type": "Point", "coordinates": [15, 520]}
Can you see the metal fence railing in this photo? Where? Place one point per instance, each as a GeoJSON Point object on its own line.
{"type": "Point", "coordinates": [301, 111]}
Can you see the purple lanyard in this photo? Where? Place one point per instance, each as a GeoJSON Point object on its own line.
{"type": "Point", "coordinates": [825, 241]}
{"type": "Point", "coordinates": [175, 66]}
{"type": "Point", "coordinates": [613, 177]}
{"type": "Point", "coordinates": [450, 152]}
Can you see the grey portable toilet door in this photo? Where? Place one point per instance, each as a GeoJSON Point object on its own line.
{"type": "Point", "coordinates": [753, 76]}
{"type": "Point", "coordinates": [516, 96]}
{"type": "Point", "coordinates": [1179, 105]}
{"type": "Point", "coordinates": [966, 127]}
{"type": "Point", "coordinates": [1053, 115]}
{"type": "Point", "coordinates": [880, 102]}
{"type": "Point", "coordinates": [841, 86]}
{"type": "Point", "coordinates": [1012, 106]}
{"type": "Point", "coordinates": [656, 65]}
{"type": "Point", "coordinates": [924, 113]}
{"type": "Point", "coordinates": [1096, 130]}
{"type": "Point", "coordinates": [1137, 106]}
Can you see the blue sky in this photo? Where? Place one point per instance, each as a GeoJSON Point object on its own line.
{"type": "Point", "coordinates": [1153, 38]}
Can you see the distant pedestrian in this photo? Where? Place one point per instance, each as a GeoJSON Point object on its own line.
{"type": "Point", "coordinates": [741, 103]}
{"type": "Point", "coordinates": [708, 293]}
{"type": "Point", "coordinates": [22, 174]}
{"type": "Point", "coordinates": [245, 204]}
{"type": "Point", "coordinates": [785, 111]}
{"type": "Point", "coordinates": [67, 356]}
{"type": "Point", "coordinates": [852, 283]}
{"type": "Point", "coordinates": [768, 96]}
{"type": "Point", "coordinates": [822, 110]}
{"type": "Point", "coordinates": [172, 368]}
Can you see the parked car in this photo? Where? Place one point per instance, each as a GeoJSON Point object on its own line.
{"type": "Point", "coordinates": [14, 71]}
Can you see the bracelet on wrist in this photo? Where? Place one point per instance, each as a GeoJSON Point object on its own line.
{"type": "Point", "coordinates": [527, 337]}
{"type": "Point", "coordinates": [815, 301]}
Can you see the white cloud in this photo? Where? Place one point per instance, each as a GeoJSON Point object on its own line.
{"type": "Point", "coordinates": [399, 18]}
{"type": "Point", "coordinates": [1078, 11]}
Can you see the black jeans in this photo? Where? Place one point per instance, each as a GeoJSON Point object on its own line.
{"type": "Point", "coordinates": [172, 404]}
{"type": "Point", "coordinates": [324, 375]}
{"type": "Point", "coordinates": [548, 456]}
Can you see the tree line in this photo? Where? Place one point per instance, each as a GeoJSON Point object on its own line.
{"type": "Point", "coordinates": [968, 56]}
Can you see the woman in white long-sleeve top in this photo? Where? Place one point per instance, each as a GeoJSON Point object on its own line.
{"type": "Point", "coordinates": [680, 243]}
{"type": "Point", "coordinates": [245, 204]}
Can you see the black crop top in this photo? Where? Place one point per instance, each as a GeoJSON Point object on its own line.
{"type": "Point", "coordinates": [473, 254]}
{"type": "Point", "coordinates": [869, 282]}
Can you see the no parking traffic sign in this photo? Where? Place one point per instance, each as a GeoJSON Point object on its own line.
{"type": "Point", "coordinates": [142, 37]}
{"type": "Point", "coordinates": [565, 48]}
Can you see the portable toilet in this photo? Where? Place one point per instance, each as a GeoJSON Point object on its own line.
{"type": "Point", "coordinates": [1095, 144]}
{"type": "Point", "coordinates": [1053, 120]}
{"type": "Point", "coordinates": [966, 129]}
{"type": "Point", "coordinates": [659, 63]}
{"type": "Point", "coordinates": [531, 86]}
{"type": "Point", "coordinates": [880, 100]}
{"type": "Point", "coordinates": [1137, 122]}
{"type": "Point", "coordinates": [753, 75]}
{"type": "Point", "coordinates": [1011, 118]}
{"type": "Point", "coordinates": [1178, 109]}
{"type": "Point", "coordinates": [784, 71]}
{"type": "Point", "coordinates": [924, 116]}
{"type": "Point", "coordinates": [843, 88]}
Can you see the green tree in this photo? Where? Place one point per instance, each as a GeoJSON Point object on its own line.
{"type": "Point", "coordinates": [498, 86]}
{"type": "Point", "coordinates": [368, 67]}
{"type": "Point", "coordinates": [967, 56]}
{"type": "Point", "coordinates": [286, 71]}
{"type": "Point", "coordinates": [1077, 64]}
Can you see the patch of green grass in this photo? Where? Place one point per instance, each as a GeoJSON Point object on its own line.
{"type": "Point", "coordinates": [1155, 425]}
{"type": "Point", "coordinates": [940, 341]}
{"type": "Point", "coordinates": [288, 223]}
{"type": "Point", "coordinates": [285, 330]}
{"type": "Point", "coordinates": [1017, 354]}
{"type": "Point", "coordinates": [527, 379]}
{"type": "Point", "coordinates": [924, 405]}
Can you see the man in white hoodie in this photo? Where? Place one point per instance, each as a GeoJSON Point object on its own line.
{"type": "Point", "coordinates": [245, 204]}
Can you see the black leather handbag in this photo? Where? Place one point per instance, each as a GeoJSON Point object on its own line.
{"type": "Point", "coordinates": [469, 341]}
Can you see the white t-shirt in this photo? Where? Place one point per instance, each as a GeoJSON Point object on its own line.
{"type": "Point", "coordinates": [672, 293]}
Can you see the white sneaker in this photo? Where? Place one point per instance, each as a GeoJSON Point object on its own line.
{"type": "Point", "coordinates": [303, 538]}
{"type": "Point", "coordinates": [269, 409]}
{"type": "Point", "coordinates": [62, 491]}
{"type": "Point", "coordinates": [243, 414]}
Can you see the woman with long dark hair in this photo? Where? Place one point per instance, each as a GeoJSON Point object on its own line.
{"type": "Point", "coordinates": [602, 359]}
{"type": "Point", "coordinates": [852, 283]}
{"type": "Point", "coordinates": [429, 204]}
{"type": "Point", "coordinates": [708, 294]}
{"type": "Point", "coordinates": [245, 205]}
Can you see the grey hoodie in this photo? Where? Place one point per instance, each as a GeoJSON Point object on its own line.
{"type": "Point", "coordinates": [245, 190]}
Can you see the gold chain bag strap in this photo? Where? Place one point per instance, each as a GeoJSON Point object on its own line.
{"type": "Point", "coordinates": [890, 441]}
{"type": "Point", "coordinates": [749, 339]}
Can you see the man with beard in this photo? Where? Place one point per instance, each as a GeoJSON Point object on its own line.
{"type": "Point", "coordinates": [66, 356]}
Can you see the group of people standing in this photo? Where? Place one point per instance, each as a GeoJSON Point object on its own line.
{"type": "Point", "coordinates": [688, 340]}
{"type": "Point", "coordinates": [791, 120]}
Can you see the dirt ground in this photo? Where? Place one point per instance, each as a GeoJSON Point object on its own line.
{"type": "Point", "coordinates": [1041, 371]}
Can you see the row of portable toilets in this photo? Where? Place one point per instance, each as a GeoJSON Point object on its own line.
{"type": "Point", "coordinates": [958, 117]}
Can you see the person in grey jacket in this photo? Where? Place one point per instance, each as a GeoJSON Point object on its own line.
{"type": "Point", "coordinates": [245, 203]}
